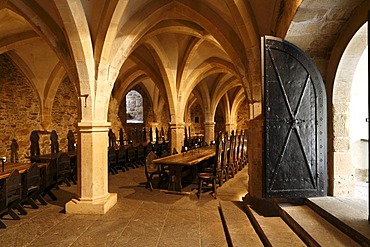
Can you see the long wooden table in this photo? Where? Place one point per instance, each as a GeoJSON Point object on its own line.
{"type": "Point", "coordinates": [22, 167]}
{"type": "Point", "coordinates": [178, 161]}
{"type": "Point", "coordinates": [48, 157]}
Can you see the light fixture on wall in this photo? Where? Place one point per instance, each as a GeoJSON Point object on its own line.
{"type": "Point", "coordinates": [84, 96]}
{"type": "Point", "coordinates": [2, 160]}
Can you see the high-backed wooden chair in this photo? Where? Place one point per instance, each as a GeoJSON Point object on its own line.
{"type": "Point", "coordinates": [49, 179]}
{"type": "Point", "coordinates": [149, 148]}
{"type": "Point", "coordinates": [64, 169]}
{"type": "Point", "coordinates": [237, 153]}
{"type": "Point", "coordinates": [244, 156]}
{"type": "Point", "coordinates": [225, 156]}
{"type": "Point", "coordinates": [206, 178]}
{"type": "Point", "coordinates": [152, 170]}
{"type": "Point", "coordinates": [165, 153]}
{"type": "Point", "coordinates": [54, 143]}
{"type": "Point", "coordinates": [3, 201]}
{"type": "Point", "coordinates": [131, 157]}
{"type": "Point", "coordinates": [112, 160]}
{"type": "Point", "coordinates": [13, 195]}
{"type": "Point", "coordinates": [73, 163]}
{"type": "Point", "coordinates": [140, 154]}
{"type": "Point", "coordinates": [35, 147]}
{"type": "Point", "coordinates": [122, 158]}
{"type": "Point", "coordinates": [31, 187]}
{"type": "Point", "coordinates": [157, 148]}
{"type": "Point", "coordinates": [71, 141]}
{"type": "Point", "coordinates": [231, 156]}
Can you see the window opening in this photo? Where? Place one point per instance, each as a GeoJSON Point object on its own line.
{"type": "Point", "coordinates": [134, 107]}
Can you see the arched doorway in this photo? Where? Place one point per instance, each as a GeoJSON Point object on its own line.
{"type": "Point", "coordinates": [350, 109]}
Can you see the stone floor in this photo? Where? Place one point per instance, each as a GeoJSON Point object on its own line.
{"type": "Point", "coordinates": [353, 211]}
{"type": "Point", "coordinates": [140, 218]}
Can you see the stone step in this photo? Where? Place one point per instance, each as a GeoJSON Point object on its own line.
{"type": "Point", "coordinates": [313, 229]}
{"type": "Point", "coordinates": [238, 229]}
{"type": "Point", "coordinates": [346, 213]}
{"type": "Point", "coordinates": [273, 230]}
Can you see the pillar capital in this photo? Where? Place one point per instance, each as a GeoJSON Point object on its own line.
{"type": "Point", "coordinates": [211, 123]}
{"type": "Point", "coordinates": [154, 124]}
{"type": "Point", "coordinates": [177, 135]}
{"type": "Point", "coordinates": [177, 125]}
{"type": "Point", "coordinates": [230, 126]}
{"type": "Point", "coordinates": [93, 126]}
{"type": "Point", "coordinates": [209, 131]}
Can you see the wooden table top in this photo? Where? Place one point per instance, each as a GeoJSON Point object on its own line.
{"type": "Point", "coordinates": [51, 156]}
{"type": "Point", "coordinates": [189, 158]}
{"type": "Point", "coordinates": [22, 167]}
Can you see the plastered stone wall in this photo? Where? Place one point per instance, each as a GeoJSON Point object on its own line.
{"type": "Point", "coordinates": [20, 112]}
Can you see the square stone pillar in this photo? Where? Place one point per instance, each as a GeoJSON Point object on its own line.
{"type": "Point", "coordinates": [230, 127]}
{"type": "Point", "coordinates": [255, 157]}
{"type": "Point", "coordinates": [177, 136]}
{"type": "Point", "coordinates": [209, 131]}
{"type": "Point", "coordinates": [92, 154]}
{"type": "Point", "coordinates": [255, 196]}
{"type": "Point", "coordinates": [154, 127]}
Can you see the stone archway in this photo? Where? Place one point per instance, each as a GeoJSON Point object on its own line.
{"type": "Point", "coordinates": [343, 170]}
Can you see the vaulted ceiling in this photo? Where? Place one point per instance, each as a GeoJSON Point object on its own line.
{"type": "Point", "coordinates": [202, 49]}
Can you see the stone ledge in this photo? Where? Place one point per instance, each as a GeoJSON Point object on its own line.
{"type": "Point", "coordinates": [91, 207]}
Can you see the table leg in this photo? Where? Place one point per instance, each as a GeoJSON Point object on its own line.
{"type": "Point", "coordinates": [175, 178]}
{"type": "Point", "coordinates": [178, 175]}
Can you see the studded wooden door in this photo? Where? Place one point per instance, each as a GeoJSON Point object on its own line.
{"type": "Point", "coordinates": [294, 105]}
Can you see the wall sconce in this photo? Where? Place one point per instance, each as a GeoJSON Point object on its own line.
{"type": "Point", "coordinates": [3, 160]}
{"type": "Point", "coordinates": [84, 96]}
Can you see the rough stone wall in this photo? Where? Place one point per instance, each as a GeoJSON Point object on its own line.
{"type": "Point", "coordinates": [64, 113]}
{"type": "Point", "coordinates": [220, 121]}
{"type": "Point", "coordinates": [197, 128]}
{"type": "Point", "coordinates": [254, 150]}
{"type": "Point", "coordinates": [343, 172]}
{"type": "Point", "coordinates": [113, 117]}
{"type": "Point", "coordinates": [20, 112]}
{"type": "Point", "coordinates": [19, 109]}
{"type": "Point", "coordinates": [165, 120]}
{"type": "Point", "coordinates": [243, 116]}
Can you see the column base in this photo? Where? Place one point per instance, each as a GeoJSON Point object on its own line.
{"type": "Point", "coordinates": [76, 206]}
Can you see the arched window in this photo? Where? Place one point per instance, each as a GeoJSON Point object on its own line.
{"type": "Point", "coordinates": [134, 107]}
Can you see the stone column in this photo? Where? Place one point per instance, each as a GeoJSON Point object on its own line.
{"type": "Point", "coordinates": [94, 197]}
{"type": "Point", "coordinates": [177, 136]}
{"type": "Point", "coordinates": [255, 163]}
{"type": "Point", "coordinates": [254, 150]}
{"type": "Point", "coordinates": [154, 125]}
{"type": "Point", "coordinates": [209, 131]}
{"type": "Point", "coordinates": [230, 126]}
